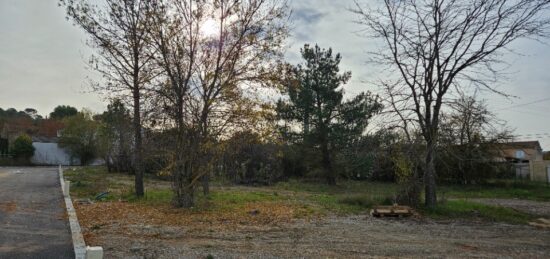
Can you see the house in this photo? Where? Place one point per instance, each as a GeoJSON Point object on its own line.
{"type": "Point", "coordinates": [527, 158]}
{"type": "Point", "coordinates": [12, 130]}
{"type": "Point", "coordinates": [521, 152]}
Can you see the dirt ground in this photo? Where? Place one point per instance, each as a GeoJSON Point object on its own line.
{"type": "Point", "coordinates": [329, 237]}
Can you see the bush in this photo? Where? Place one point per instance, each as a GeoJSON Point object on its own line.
{"type": "Point", "coordinates": [470, 164]}
{"type": "Point", "coordinates": [247, 159]}
{"type": "Point", "coordinates": [80, 136]}
{"type": "Point", "coordinates": [22, 148]}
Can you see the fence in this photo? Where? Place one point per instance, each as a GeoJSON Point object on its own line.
{"type": "Point", "coordinates": [539, 171]}
{"type": "Point", "coordinates": [6, 155]}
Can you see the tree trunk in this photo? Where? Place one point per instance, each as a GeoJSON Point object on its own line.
{"type": "Point", "coordinates": [138, 166]}
{"type": "Point", "coordinates": [183, 185]}
{"type": "Point", "coordinates": [205, 179]}
{"type": "Point", "coordinates": [108, 164]}
{"type": "Point", "coordinates": [429, 176]}
{"type": "Point", "coordinates": [120, 163]}
{"type": "Point", "coordinates": [186, 199]}
{"type": "Point", "coordinates": [327, 165]}
{"type": "Point", "coordinates": [206, 184]}
{"type": "Point", "coordinates": [205, 158]}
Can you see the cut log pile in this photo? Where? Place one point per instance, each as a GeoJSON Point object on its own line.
{"type": "Point", "coordinates": [392, 211]}
{"type": "Point", "coordinates": [541, 223]}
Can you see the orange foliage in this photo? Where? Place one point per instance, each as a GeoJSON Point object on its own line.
{"type": "Point", "coordinates": [49, 128]}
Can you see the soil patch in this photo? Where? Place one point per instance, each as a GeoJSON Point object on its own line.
{"type": "Point", "coordinates": [8, 207]}
{"type": "Point", "coordinates": [127, 230]}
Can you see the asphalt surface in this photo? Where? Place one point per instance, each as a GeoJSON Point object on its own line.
{"type": "Point", "coordinates": [33, 221]}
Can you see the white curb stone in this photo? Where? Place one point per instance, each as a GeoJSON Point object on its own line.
{"type": "Point", "coordinates": [94, 252]}
{"type": "Point", "coordinates": [80, 249]}
{"type": "Point", "coordinates": [67, 189]}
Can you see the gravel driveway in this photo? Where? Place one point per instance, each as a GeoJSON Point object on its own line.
{"type": "Point", "coordinates": [33, 221]}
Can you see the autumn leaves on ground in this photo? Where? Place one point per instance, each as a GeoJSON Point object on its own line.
{"type": "Point", "coordinates": [226, 207]}
{"type": "Point", "coordinates": [270, 220]}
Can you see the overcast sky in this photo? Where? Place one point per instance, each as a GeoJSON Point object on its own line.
{"type": "Point", "coordinates": [42, 61]}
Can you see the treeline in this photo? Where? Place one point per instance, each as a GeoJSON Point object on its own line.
{"type": "Point", "coordinates": [311, 132]}
{"type": "Point", "coordinates": [209, 93]}
{"type": "Point", "coordinates": [18, 127]}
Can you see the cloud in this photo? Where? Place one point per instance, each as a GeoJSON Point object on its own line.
{"type": "Point", "coordinates": [307, 15]}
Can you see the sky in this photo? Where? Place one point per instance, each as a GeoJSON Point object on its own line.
{"type": "Point", "coordinates": [43, 62]}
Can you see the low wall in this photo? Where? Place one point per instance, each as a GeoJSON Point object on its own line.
{"type": "Point", "coordinates": [51, 154]}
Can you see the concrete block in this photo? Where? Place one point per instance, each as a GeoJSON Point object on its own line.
{"type": "Point", "coordinates": [67, 189]}
{"type": "Point", "coordinates": [94, 252]}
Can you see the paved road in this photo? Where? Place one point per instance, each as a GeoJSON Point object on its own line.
{"type": "Point", "coordinates": [33, 222]}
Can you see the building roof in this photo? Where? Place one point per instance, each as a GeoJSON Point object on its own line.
{"type": "Point", "coordinates": [522, 144]}
{"type": "Point", "coordinates": [44, 139]}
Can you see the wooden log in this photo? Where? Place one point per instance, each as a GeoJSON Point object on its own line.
{"type": "Point", "coordinates": [391, 211]}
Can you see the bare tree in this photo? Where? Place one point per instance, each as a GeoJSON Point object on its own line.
{"type": "Point", "coordinates": [437, 46]}
{"type": "Point", "coordinates": [214, 54]}
{"type": "Point", "coordinates": [236, 59]}
{"type": "Point", "coordinates": [118, 31]}
{"type": "Point", "coordinates": [175, 34]}
{"type": "Point", "coordinates": [470, 135]}
{"type": "Point", "coordinates": [471, 121]}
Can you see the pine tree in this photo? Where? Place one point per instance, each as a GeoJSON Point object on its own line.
{"type": "Point", "coordinates": [315, 112]}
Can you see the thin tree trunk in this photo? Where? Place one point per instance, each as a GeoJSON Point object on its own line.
{"type": "Point", "coordinates": [206, 184]}
{"type": "Point", "coordinates": [121, 157]}
{"type": "Point", "coordinates": [183, 173]}
{"type": "Point", "coordinates": [205, 179]}
{"type": "Point", "coordinates": [331, 177]}
{"type": "Point", "coordinates": [429, 176]}
{"type": "Point", "coordinates": [138, 166]}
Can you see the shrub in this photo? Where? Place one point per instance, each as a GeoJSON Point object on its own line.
{"type": "Point", "coordinates": [247, 159]}
{"type": "Point", "coordinates": [22, 148]}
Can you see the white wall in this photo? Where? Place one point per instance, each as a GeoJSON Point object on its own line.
{"type": "Point", "coordinates": [51, 154]}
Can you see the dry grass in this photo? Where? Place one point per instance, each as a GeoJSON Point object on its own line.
{"type": "Point", "coordinates": [8, 207]}
{"type": "Point", "coordinates": [123, 214]}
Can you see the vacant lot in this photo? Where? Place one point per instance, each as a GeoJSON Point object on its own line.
{"type": "Point", "coordinates": [304, 219]}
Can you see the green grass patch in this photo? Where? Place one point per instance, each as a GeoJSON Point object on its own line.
{"type": "Point", "coordinates": [87, 182]}
{"type": "Point", "coordinates": [343, 187]}
{"type": "Point", "coordinates": [463, 209]}
{"type": "Point", "coordinates": [348, 197]}
{"type": "Point", "coordinates": [526, 190]}
{"type": "Point", "coordinates": [241, 197]}
{"type": "Point", "coordinates": [223, 200]}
